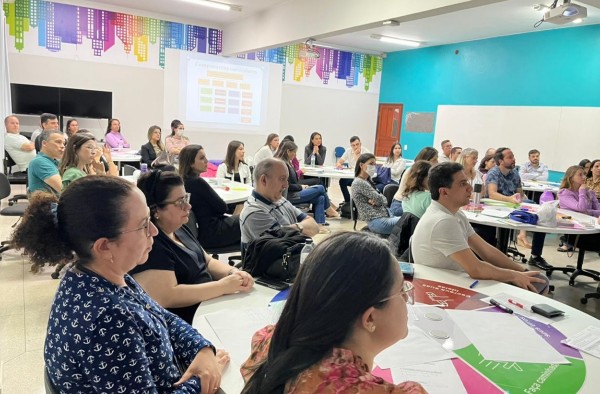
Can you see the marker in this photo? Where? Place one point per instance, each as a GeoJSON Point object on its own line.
{"type": "Point", "coordinates": [499, 305]}
{"type": "Point", "coordinates": [515, 303]}
{"type": "Point", "coordinates": [473, 284]}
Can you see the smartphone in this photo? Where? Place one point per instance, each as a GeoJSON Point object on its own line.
{"type": "Point", "coordinates": [272, 283]}
{"type": "Point", "coordinates": [546, 310]}
{"type": "Point", "coordinates": [408, 269]}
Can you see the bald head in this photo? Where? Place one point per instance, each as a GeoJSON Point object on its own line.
{"type": "Point", "coordinates": [11, 123]}
{"type": "Point", "coordinates": [271, 178]}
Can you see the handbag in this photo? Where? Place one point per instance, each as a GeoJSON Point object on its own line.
{"type": "Point", "coordinates": [384, 175]}
{"type": "Point", "coordinates": [523, 217]}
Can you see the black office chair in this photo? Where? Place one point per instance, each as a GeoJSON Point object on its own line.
{"type": "Point", "coordinates": [388, 192]}
{"type": "Point", "coordinates": [18, 178]}
{"type": "Point", "coordinates": [192, 224]}
{"type": "Point", "coordinates": [17, 210]}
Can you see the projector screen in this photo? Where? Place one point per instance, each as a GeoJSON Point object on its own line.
{"type": "Point", "coordinates": [217, 93]}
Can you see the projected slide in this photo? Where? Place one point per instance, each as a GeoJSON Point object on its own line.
{"type": "Point", "coordinates": [225, 93]}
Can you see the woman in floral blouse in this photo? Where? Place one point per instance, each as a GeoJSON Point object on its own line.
{"type": "Point", "coordinates": [340, 314]}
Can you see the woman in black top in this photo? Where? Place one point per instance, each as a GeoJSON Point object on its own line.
{"type": "Point", "coordinates": [154, 146]}
{"type": "Point", "coordinates": [215, 228]}
{"type": "Point", "coordinates": [315, 147]}
{"type": "Point", "coordinates": [179, 274]}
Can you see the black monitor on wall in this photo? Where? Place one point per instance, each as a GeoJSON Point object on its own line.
{"type": "Point", "coordinates": [86, 103]}
{"type": "Point", "coordinates": [34, 100]}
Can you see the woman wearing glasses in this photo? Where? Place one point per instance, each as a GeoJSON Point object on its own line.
{"type": "Point", "coordinates": [79, 159]}
{"type": "Point", "coordinates": [104, 332]}
{"type": "Point", "coordinates": [179, 274]}
{"type": "Point", "coordinates": [330, 332]}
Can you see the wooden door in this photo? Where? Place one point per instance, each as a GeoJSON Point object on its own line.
{"type": "Point", "coordinates": [389, 123]}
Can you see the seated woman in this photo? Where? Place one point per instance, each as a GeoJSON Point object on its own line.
{"type": "Point", "coordinates": [586, 164]}
{"type": "Point", "coordinates": [79, 159]}
{"type": "Point", "coordinates": [486, 164]}
{"type": "Point", "coordinates": [315, 148]}
{"type": "Point", "coordinates": [328, 336]}
{"type": "Point", "coordinates": [215, 228]}
{"type": "Point", "coordinates": [371, 205]}
{"type": "Point", "coordinates": [179, 274]}
{"type": "Point", "coordinates": [468, 159]}
{"type": "Point", "coordinates": [71, 127]}
{"type": "Point", "coordinates": [593, 177]}
{"type": "Point", "coordinates": [428, 154]}
{"type": "Point", "coordinates": [396, 163]}
{"type": "Point", "coordinates": [302, 194]}
{"type": "Point", "coordinates": [154, 147]}
{"type": "Point", "coordinates": [234, 167]}
{"type": "Point", "coordinates": [101, 320]}
{"type": "Point", "coordinates": [113, 137]}
{"type": "Point", "coordinates": [416, 194]}
{"type": "Point", "coordinates": [575, 195]}
{"type": "Point", "coordinates": [268, 150]}
{"type": "Point", "coordinates": [176, 141]}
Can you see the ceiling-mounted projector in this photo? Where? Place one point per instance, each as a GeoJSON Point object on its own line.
{"type": "Point", "coordinates": [565, 13]}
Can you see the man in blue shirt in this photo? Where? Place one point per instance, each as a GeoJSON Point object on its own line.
{"type": "Point", "coordinates": [43, 170]}
{"type": "Point", "coordinates": [504, 184]}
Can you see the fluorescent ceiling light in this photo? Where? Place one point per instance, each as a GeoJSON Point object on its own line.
{"type": "Point", "coordinates": [393, 40]}
{"type": "Point", "coordinates": [215, 4]}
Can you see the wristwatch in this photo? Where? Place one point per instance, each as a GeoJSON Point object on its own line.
{"type": "Point", "coordinates": [300, 227]}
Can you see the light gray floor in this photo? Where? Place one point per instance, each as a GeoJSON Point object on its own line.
{"type": "Point", "coordinates": [26, 299]}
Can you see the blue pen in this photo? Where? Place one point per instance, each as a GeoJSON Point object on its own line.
{"type": "Point", "coordinates": [473, 284]}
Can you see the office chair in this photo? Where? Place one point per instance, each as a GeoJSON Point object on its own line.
{"type": "Point", "coordinates": [19, 178]}
{"type": "Point", "coordinates": [128, 170]}
{"type": "Point", "coordinates": [192, 225]}
{"type": "Point", "coordinates": [339, 152]}
{"type": "Point", "coordinates": [388, 192]}
{"type": "Point", "coordinates": [17, 209]}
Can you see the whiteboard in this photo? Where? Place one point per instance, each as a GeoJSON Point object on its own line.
{"type": "Point", "coordinates": [563, 135]}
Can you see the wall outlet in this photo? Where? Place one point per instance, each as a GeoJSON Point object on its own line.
{"type": "Point", "coordinates": [405, 147]}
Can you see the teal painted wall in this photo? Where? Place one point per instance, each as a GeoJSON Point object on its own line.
{"type": "Point", "coordinates": [549, 68]}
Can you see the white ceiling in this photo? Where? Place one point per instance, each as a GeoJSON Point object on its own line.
{"type": "Point", "coordinates": [497, 19]}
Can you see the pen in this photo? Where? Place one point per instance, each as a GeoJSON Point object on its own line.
{"type": "Point", "coordinates": [473, 284]}
{"type": "Point", "coordinates": [499, 305]}
{"type": "Point", "coordinates": [515, 303]}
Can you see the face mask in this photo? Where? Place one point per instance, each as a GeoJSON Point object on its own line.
{"type": "Point", "coordinates": [180, 133]}
{"type": "Point", "coordinates": [371, 170]}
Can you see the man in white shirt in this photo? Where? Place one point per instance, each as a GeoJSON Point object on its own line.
{"type": "Point", "coordinates": [445, 239]}
{"type": "Point", "coordinates": [446, 152]}
{"type": "Point", "coordinates": [20, 149]}
{"type": "Point", "coordinates": [533, 170]}
{"type": "Point", "coordinates": [350, 155]}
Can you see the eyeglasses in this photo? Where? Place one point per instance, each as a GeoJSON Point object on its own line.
{"type": "Point", "coordinates": [146, 226]}
{"type": "Point", "coordinates": [180, 202]}
{"type": "Point", "coordinates": [407, 292]}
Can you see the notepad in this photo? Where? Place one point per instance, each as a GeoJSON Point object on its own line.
{"type": "Point", "coordinates": [496, 213]}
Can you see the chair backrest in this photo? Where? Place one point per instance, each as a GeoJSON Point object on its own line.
{"type": "Point", "coordinates": [353, 212]}
{"type": "Point", "coordinates": [192, 224]}
{"type": "Point", "coordinates": [411, 259]}
{"type": "Point", "coordinates": [4, 186]}
{"type": "Point", "coordinates": [38, 143]}
{"type": "Point", "coordinates": [128, 170]}
{"type": "Point", "coordinates": [388, 192]}
{"type": "Point", "coordinates": [339, 151]}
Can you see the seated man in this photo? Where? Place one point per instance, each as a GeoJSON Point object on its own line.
{"type": "Point", "coordinates": [350, 155]}
{"type": "Point", "coordinates": [446, 152]}
{"type": "Point", "coordinates": [267, 209]}
{"type": "Point", "coordinates": [445, 239]}
{"type": "Point", "coordinates": [47, 122]}
{"type": "Point", "coordinates": [20, 149]}
{"type": "Point", "coordinates": [533, 170]}
{"type": "Point", "coordinates": [504, 184]}
{"type": "Point", "coordinates": [43, 170]}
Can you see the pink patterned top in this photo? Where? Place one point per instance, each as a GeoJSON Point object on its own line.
{"type": "Point", "coordinates": [341, 372]}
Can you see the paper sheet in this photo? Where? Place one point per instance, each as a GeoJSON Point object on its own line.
{"type": "Point", "coordinates": [587, 341]}
{"type": "Point", "coordinates": [416, 348]}
{"type": "Point", "coordinates": [439, 377]}
{"type": "Point", "coordinates": [504, 337]}
{"type": "Point", "coordinates": [235, 329]}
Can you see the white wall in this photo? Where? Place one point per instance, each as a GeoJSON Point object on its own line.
{"type": "Point", "coordinates": [141, 99]}
{"type": "Point", "coordinates": [137, 92]}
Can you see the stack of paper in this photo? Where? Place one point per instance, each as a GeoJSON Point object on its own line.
{"type": "Point", "coordinates": [587, 341]}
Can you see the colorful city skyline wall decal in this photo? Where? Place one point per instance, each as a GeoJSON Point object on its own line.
{"type": "Point", "coordinates": [331, 63]}
{"type": "Point", "coordinates": [59, 24]}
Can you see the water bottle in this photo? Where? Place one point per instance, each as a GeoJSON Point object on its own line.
{"type": "Point", "coordinates": [477, 189]}
{"type": "Point", "coordinates": [313, 160]}
{"type": "Point", "coordinates": [546, 196]}
{"type": "Point", "coordinates": [120, 147]}
{"type": "Point", "coordinates": [143, 168]}
{"type": "Point", "coordinates": [308, 247]}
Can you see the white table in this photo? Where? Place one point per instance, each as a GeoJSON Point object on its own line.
{"type": "Point", "coordinates": [536, 186]}
{"type": "Point", "coordinates": [505, 224]}
{"type": "Point", "coordinates": [231, 192]}
{"type": "Point", "coordinates": [576, 320]}
{"type": "Point", "coordinates": [125, 156]}
{"type": "Point", "coordinates": [328, 172]}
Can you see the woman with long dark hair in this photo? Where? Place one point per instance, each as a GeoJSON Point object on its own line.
{"type": "Point", "coordinates": [339, 315]}
{"type": "Point", "coordinates": [416, 194]}
{"type": "Point", "coordinates": [371, 205]}
{"type": "Point", "coordinates": [113, 136]}
{"type": "Point", "coordinates": [395, 162]}
{"type": "Point", "coordinates": [234, 167]}
{"type": "Point", "coordinates": [315, 148]}
{"type": "Point", "coordinates": [268, 150]}
{"type": "Point", "coordinates": [177, 140]}
{"type": "Point", "coordinates": [593, 177]}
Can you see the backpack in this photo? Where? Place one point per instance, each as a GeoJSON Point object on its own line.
{"type": "Point", "coordinates": [384, 175]}
{"type": "Point", "coordinates": [345, 211]}
{"type": "Point", "coordinates": [275, 254]}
